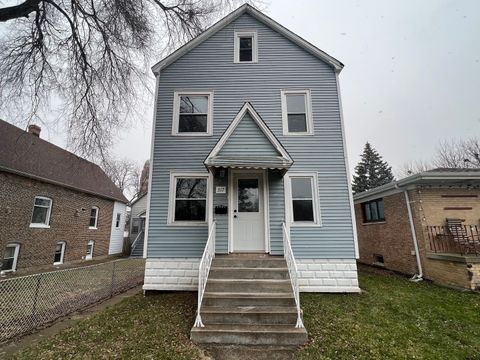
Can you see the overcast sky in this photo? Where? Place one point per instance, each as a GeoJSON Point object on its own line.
{"type": "Point", "coordinates": [411, 76]}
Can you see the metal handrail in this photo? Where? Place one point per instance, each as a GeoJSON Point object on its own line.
{"type": "Point", "coordinates": [293, 272]}
{"type": "Point", "coordinates": [204, 269]}
{"type": "Point", "coordinates": [134, 244]}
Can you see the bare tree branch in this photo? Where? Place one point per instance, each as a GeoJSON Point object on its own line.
{"type": "Point", "coordinates": [89, 58]}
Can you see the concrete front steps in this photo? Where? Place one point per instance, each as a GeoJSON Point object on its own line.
{"type": "Point", "coordinates": [249, 301]}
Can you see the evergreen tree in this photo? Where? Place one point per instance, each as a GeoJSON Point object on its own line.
{"type": "Point", "coordinates": [371, 172]}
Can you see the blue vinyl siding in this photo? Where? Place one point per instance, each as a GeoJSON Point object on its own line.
{"type": "Point", "coordinates": [281, 65]}
{"type": "Point", "coordinates": [248, 140]}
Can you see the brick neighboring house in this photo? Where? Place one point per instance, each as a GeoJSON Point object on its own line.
{"type": "Point", "coordinates": [445, 225]}
{"type": "Point", "coordinates": [55, 207]}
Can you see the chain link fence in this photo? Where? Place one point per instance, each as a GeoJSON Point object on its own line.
{"type": "Point", "coordinates": [29, 302]}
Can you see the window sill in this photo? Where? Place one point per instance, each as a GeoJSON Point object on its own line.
{"type": "Point", "coordinates": [299, 224]}
{"type": "Point", "coordinates": [191, 134]}
{"type": "Point", "coordinates": [374, 223]}
{"type": "Point", "coordinates": [187, 223]}
{"type": "Point", "coordinates": [92, 228]}
{"type": "Point", "coordinates": [40, 226]}
{"type": "Point", "coordinates": [298, 134]}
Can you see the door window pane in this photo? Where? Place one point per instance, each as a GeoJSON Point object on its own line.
{"type": "Point", "coordinates": [190, 199]}
{"type": "Point", "coordinates": [193, 113]}
{"type": "Point", "coordinates": [248, 197]}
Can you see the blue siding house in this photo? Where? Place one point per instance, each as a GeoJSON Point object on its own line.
{"type": "Point", "coordinates": [248, 154]}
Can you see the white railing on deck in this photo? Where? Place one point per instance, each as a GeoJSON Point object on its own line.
{"type": "Point", "coordinates": [204, 269]}
{"type": "Point", "coordinates": [293, 272]}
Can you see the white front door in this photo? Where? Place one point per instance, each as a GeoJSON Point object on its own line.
{"type": "Point", "coordinates": [248, 220]}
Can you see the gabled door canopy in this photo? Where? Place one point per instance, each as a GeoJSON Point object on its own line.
{"type": "Point", "coordinates": [282, 161]}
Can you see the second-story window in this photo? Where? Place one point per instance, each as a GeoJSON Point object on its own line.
{"type": "Point", "coordinates": [93, 218]}
{"type": "Point", "coordinates": [42, 208]}
{"type": "Point", "coordinates": [296, 112]}
{"type": "Point", "coordinates": [245, 47]}
{"type": "Point", "coordinates": [117, 221]}
{"type": "Point", "coordinates": [192, 114]}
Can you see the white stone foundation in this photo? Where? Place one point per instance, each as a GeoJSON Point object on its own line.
{"type": "Point", "coordinates": [171, 274]}
{"type": "Point", "coordinates": [328, 275]}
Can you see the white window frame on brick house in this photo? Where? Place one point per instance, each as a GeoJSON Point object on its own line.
{"type": "Point", "coordinates": [89, 255]}
{"type": "Point", "coordinates": [15, 257]}
{"type": "Point", "coordinates": [176, 113]}
{"type": "Point", "coordinates": [46, 223]}
{"type": "Point", "coordinates": [313, 176]}
{"type": "Point", "coordinates": [308, 112]}
{"type": "Point", "coordinates": [97, 210]}
{"type": "Point", "coordinates": [236, 46]}
{"type": "Point", "coordinates": [174, 175]}
{"type": "Point", "coordinates": [62, 252]}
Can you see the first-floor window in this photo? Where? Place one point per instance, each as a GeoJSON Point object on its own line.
{"type": "Point", "coordinates": [59, 253]}
{"type": "Point", "coordinates": [10, 257]}
{"type": "Point", "coordinates": [304, 199]}
{"type": "Point", "coordinates": [89, 254]}
{"type": "Point", "coordinates": [188, 199]}
{"type": "Point", "coordinates": [42, 207]}
{"type": "Point", "coordinates": [373, 211]}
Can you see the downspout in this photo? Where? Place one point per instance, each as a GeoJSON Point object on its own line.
{"type": "Point", "coordinates": [419, 276]}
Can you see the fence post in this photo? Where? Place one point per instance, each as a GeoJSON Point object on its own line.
{"type": "Point", "coordinates": [35, 297]}
{"type": "Point", "coordinates": [113, 278]}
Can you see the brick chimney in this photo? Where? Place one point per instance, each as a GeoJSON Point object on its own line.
{"type": "Point", "coordinates": [34, 130]}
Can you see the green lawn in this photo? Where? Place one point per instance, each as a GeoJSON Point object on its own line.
{"type": "Point", "coordinates": [392, 319]}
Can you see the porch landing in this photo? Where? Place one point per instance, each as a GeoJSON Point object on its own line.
{"type": "Point", "coordinates": [249, 301]}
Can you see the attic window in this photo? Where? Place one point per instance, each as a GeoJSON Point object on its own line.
{"type": "Point", "coordinates": [246, 48]}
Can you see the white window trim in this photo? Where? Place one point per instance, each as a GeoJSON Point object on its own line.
{"type": "Point", "coordinates": [15, 257]}
{"type": "Point", "coordinates": [171, 202]}
{"type": "Point", "coordinates": [96, 218]}
{"type": "Point", "coordinates": [45, 225]}
{"type": "Point", "coordinates": [317, 220]}
{"type": "Point", "coordinates": [176, 113]}
{"type": "Point", "coordinates": [90, 257]}
{"type": "Point", "coordinates": [62, 256]}
{"type": "Point", "coordinates": [308, 110]}
{"type": "Point", "coordinates": [236, 47]}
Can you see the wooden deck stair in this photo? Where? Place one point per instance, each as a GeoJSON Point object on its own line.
{"type": "Point", "coordinates": [249, 300]}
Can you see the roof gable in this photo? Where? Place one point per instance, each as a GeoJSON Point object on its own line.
{"type": "Point", "coordinates": [258, 15]}
{"type": "Point", "coordinates": [249, 141]}
{"type": "Point", "coordinates": [28, 155]}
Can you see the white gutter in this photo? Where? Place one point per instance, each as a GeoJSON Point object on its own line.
{"type": "Point", "coordinates": [419, 276]}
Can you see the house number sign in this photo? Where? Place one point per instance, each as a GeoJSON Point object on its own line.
{"type": "Point", "coordinates": [221, 190]}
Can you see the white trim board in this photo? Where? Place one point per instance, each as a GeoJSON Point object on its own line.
{"type": "Point", "coordinates": [248, 9]}
{"type": "Point", "coordinates": [261, 124]}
